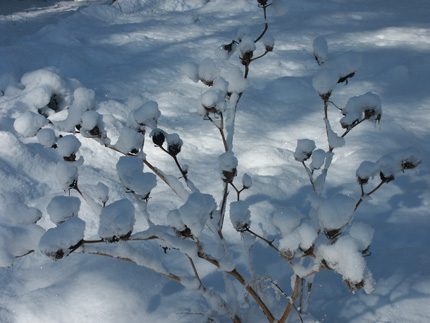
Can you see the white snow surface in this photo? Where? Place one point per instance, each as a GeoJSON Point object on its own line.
{"type": "Point", "coordinates": [123, 55]}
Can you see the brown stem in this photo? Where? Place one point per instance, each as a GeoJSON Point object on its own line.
{"type": "Point", "coordinates": [253, 293]}
{"type": "Point", "coordinates": [367, 194]}
{"type": "Point", "coordinates": [223, 205]}
{"type": "Point", "coordinates": [290, 306]}
{"type": "Point", "coordinates": [308, 171]}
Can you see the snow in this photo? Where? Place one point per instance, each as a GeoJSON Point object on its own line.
{"type": "Point", "coordinates": [357, 108]}
{"type": "Point", "coordinates": [325, 80]}
{"type": "Point", "coordinates": [240, 216]}
{"type": "Point", "coordinates": [196, 211]}
{"type": "Point", "coordinates": [116, 220]}
{"type": "Point", "coordinates": [46, 137]}
{"type": "Point", "coordinates": [304, 149]}
{"type": "Point", "coordinates": [147, 114]}
{"type": "Point", "coordinates": [123, 55]}
{"type": "Point", "coordinates": [29, 123]}
{"type": "Point", "coordinates": [246, 181]}
{"type": "Point", "coordinates": [68, 146]}
{"type": "Point", "coordinates": [62, 208]}
{"type": "Point", "coordinates": [208, 71]}
{"type": "Point", "coordinates": [57, 242]}
{"type": "Point", "coordinates": [336, 212]}
{"type": "Point", "coordinates": [127, 168]}
{"type": "Point", "coordinates": [320, 50]}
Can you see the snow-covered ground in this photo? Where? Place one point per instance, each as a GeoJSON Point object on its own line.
{"type": "Point", "coordinates": [132, 52]}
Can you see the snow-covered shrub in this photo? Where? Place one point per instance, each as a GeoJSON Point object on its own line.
{"type": "Point", "coordinates": [327, 237]}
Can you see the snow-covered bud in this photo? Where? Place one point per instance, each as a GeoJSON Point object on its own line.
{"type": "Point", "coordinates": [62, 208]}
{"type": "Point", "coordinates": [127, 167]}
{"type": "Point", "coordinates": [147, 114]}
{"type": "Point", "coordinates": [129, 141]}
{"type": "Point", "coordinates": [174, 144]}
{"type": "Point", "coordinates": [268, 42]}
{"type": "Point", "coordinates": [335, 213]}
{"type": "Point", "coordinates": [59, 241]}
{"type": "Point", "coordinates": [227, 165]}
{"type": "Point", "coordinates": [196, 212]}
{"type": "Point", "coordinates": [320, 50]}
{"type": "Point", "coordinates": [29, 123]}
{"type": "Point", "coordinates": [304, 149]}
{"type": "Point", "coordinates": [240, 215]}
{"type": "Point", "coordinates": [68, 146]}
{"type": "Point", "coordinates": [102, 193]}
{"type": "Point", "coordinates": [67, 175]}
{"type": "Point", "coordinates": [325, 81]}
{"type": "Point", "coordinates": [47, 137]}
{"type": "Point", "coordinates": [366, 171]}
{"type": "Point", "coordinates": [246, 181]}
{"type": "Point", "coordinates": [142, 184]}
{"type": "Point", "coordinates": [117, 221]}
{"type": "Point", "coordinates": [212, 101]}
{"type": "Point", "coordinates": [158, 136]}
{"type": "Point", "coordinates": [92, 124]}
{"type": "Point", "coordinates": [246, 49]}
{"type": "Point", "coordinates": [208, 72]}
{"type": "Point", "coordinates": [359, 108]}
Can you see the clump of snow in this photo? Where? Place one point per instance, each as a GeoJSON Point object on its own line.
{"type": "Point", "coordinates": [102, 193]}
{"type": "Point", "coordinates": [227, 165]}
{"type": "Point", "coordinates": [29, 123]}
{"type": "Point", "coordinates": [304, 149]}
{"type": "Point", "coordinates": [345, 64]}
{"type": "Point", "coordinates": [334, 140]}
{"type": "Point", "coordinates": [208, 71]}
{"type": "Point", "coordinates": [62, 208]}
{"type": "Point", "coordinates": [191, 70]}
{"type": "Point", "coordinates": [268, 42]}
{"type": "Point", "coordinates": [287, 220]}
{"type": "Point", "coordinates": [174, 143]}
{"type": "Point", "coordinates": [318, 158]}
{"type": "Point", "coordinates": [240, 215]}
{"type": "Point", "coordinates": [345, 258]}
{"type": "Point", "coordinates": [83, 101]}
{"type": "Point", "coordinates": [129, 141]}
{"type": "Point", "coordinates": [307, 235]}
{"type": "Point", "coordinates": [196, 212]}
{"type": "Point", "coordinates": [57, 242]}
{"type": "Point", "coordinates": [246, 181]}
{"type": "Point", "coordinates": [174, 220]}
{"type": "Point", "coordinates": [142, 184]}
{"type": "Point", "coordinates": [367, 106]}
{"type": "Point", "coordinates": [336, 212]}
{"type": "Point", "coordinates": [46, 137]}
{"type": "Point", "coordinates": [68, 146]}
{"type": "Point", "coordinates": [90, 120]}
{"type": "Point", "coordinates": [362, 233]}
{"type": "Point", "coordinates": [212, 101]}
{"type": "Point", "coordinates": [236, 82]}
{"type": "Point", "coordinates": [127, 167]}
{"type": "Point", "coordinates": [366, 171]}
{"type": "Point", "coordinates": [325, 80]}
{"type": "Point", "coordinates": [389, 165]}
{"type": "Point", "coordinates": [246, 47]}
{"type": "Point", "coordinates": [117, 220]}
{"type": "Point", "coordinates": [45, 91]}
{"type": "Point", "coordinates": [320, 50]}
{"type": "Point", "coordinates": [67, 175]}
{"type": "Point", "coordinates": [147, 114]}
